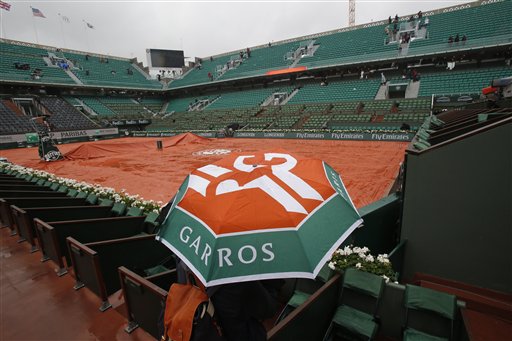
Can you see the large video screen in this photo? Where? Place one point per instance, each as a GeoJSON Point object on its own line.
{"type": "Point", "coordinates": [166, 58]}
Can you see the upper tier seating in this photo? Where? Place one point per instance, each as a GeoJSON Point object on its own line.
{"type": "Point", "coordinates": [65, 116]}
{"type": "Point", "coordinates": [94, 70]}
{"type": "Point", "coordinates": [11, 54]}
{"type": "Point", "coordinates": [484, 25]}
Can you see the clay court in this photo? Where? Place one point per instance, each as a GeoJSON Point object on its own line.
{"type": "Point", "coordinates": [368, 169]}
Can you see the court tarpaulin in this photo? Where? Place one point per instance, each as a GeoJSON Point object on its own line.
{"type": "Point", "coordinates": [368, 168]}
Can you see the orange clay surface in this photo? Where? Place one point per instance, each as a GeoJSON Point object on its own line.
{"type": "Point", "coordinates": [368, 169]}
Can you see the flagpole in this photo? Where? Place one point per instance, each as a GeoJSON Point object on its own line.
{"type": "Point", "coordinates": [35, 28]}
{"type": "Point", "coordinates": [62, 31]}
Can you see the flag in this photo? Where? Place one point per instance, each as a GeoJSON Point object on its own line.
{"type": "Point", "coordinates": [5, 5]}
{"type": "Point", "coordinates": [64, 18]}
{"type": "Point", "coordinates": [37, 13]}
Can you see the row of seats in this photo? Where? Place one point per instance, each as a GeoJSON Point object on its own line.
{"type": "Point", "coordinates": [11, 54]}
{"type": "Point", "coordinates": [316, 115]}
{"type": "Point", "coordinates": [12, 122]}
{"type": "Point", "coordinates": [65, 116]}
{"type": "Point", "coordinates": [483, 24]}
{"type": "Point", "coordinates": [91, 70]}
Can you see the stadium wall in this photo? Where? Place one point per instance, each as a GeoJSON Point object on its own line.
{"type": "Point", "coordinates": [24, 140]}
{"type": "Point", "coordinates": [457, 215]}
{"type": "Point", "coordinates": [357, 136]}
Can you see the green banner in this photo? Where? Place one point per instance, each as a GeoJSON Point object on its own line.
{"type": "Point", "coordinates": [361, 136]}
{"type": "Point", "coordinates": [358, 136]}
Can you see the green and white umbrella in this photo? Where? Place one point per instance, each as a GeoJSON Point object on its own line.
{"type": "Point", "coordinates": [261, 215]}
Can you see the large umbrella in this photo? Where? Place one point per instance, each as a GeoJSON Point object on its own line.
{"type": "Point", "coordinates": [259, 215]}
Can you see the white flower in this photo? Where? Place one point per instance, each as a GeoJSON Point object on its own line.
{"type": "Point", "coordinates": [332, 266]}
{"type": "Point", "coordinates": [370, 258]}
{"type": "Point", "coordinates": [358, 265]}
{"type": "Point", "coordinates": [386, 278]}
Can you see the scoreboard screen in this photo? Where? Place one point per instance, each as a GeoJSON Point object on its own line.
{"type": "Point", "coordinates": [165, 58]}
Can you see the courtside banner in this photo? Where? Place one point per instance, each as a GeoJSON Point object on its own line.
{"type": "Point", "coordinates": [357, 136]}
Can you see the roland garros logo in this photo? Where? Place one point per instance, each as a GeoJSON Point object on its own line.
{"type": "Point", "coordinates": [231, 175]}
{"type": "Point", "coordinates": [264, 183]}
{"type": "Point", "coordinates": [212, 152]}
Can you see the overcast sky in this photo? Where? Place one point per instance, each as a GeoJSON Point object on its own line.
{"type": "Point", "coordinates": [200, 28]}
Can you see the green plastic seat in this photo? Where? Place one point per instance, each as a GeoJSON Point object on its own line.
{"type": "Point", "coordinates": [81, 195]}
{"type": "Point", "coordinates": [425, 309]}
{"type": "Point", "coordinates": [62, 189]}
{"type": "Point", "coordinates": [134, 212]}
{"type": "Point", "coordinates": [352, 322]}
{"type": "Point", "coordinates": [411, 334]}
{"type": "Point", "coordinates": [91, 199]}
{"type": "Point", "coordinates": [72, 193]}
{"type": "Point", "coordinates": [304, 288]}
{"type": "Point", "coordinates": [106, 202]}
{"type": "Point", "coordinates": [151, 220]}
{"type": "Point", "coordinates": [355, 321]}
{"type": "Point", "coordinates": [55, 186]}
{"type": "Point", "coordinates": [118, 209]}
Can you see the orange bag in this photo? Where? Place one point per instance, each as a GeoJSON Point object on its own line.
{"type": "Point", "coordinates": [181, 307]}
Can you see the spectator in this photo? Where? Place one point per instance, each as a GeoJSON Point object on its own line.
{"type": "Point", "coordinates": [420, 14]}
{"type": "Point", "coordinates": [396, 18]}
{"type": "Point", "coordinates": [450, 40]}
{"type": "Point", "coordinates": [464, 38]}
{"type": "Point", "coordinates": [248, 52]}
{"type": "Point", "coordinates": [158, 77]}
{"type": "Point", "coordinates": [457, 39]}
{"type": "Point", "coordinates": [113, 72]}
{"type": "Point", "coordinates": [241, 54]}
{"type": "Point", "coordinates": [382, 79]}
{"type": "Point", "coordinates": [106, 60]}
{"type": "Point", "coordinates": [390, 20]}
{"type": "Point", "coordinates": [87, 57]}
{"type": "Point", "coordinates": [210, 77]}
{"type": "Point", "coordinates": [87, 73]}
{"type": "Point", "coordinates": [269, 44]}
{"type": "Point", "coordinates": [211, 58]}
{"type": "Point", "coordinates": [240, 307]}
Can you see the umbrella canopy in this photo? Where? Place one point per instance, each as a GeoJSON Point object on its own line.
{"type": "Point", "coordinates": [261, 215]}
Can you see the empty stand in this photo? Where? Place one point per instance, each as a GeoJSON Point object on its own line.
{"type": "Point", "coordinates": [65, 116]}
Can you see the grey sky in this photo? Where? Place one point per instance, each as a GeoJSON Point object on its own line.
{"type": "Point", "coordinates": [200, 28]}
